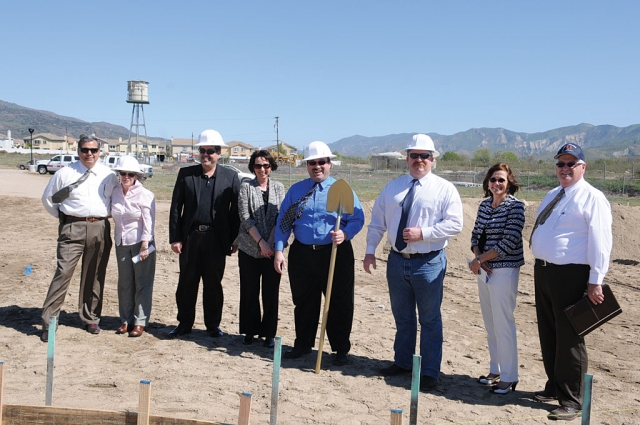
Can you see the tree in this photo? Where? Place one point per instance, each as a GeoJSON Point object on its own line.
{"type": "Point", "coordinates": [482, 155]}
{"type": "Point", "coordinates": [450, 156]}
{"type": "Point", "coordinates": [508, 157]}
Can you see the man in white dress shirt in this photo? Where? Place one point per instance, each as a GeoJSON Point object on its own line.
{"type": "Point", "coordinates": [571, 242]}
{"type": "Point", "coordinates": [84, 231]}
{"type": "Point", "coordinates": [420, 212]}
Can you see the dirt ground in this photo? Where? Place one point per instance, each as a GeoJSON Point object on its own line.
{"type": "Point", "coordinates": [199, 377]}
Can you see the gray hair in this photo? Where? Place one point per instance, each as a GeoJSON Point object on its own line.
{"type": "Point", "coordinates": [86, 139]}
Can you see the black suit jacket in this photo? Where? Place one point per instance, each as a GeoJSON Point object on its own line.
{"type": "Point", "coordinates": [185, 200]}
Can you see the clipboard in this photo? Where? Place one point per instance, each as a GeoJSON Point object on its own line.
{"type": "Point", "coordinates": [586, 316]}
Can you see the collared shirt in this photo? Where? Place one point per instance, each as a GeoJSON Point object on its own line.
{"type": "Point", "coordinates": [313, 227]}
{"type": "Point", "coordinates": [133, 214]}
{"type": "Point", "coordinates": [92, 198]}
{"type": "Point", "coordinates": [578, 231]}
{"type": "Point", "coordinates": [205, 213]}
{"type": "Point", "coordinates": [436, 210]}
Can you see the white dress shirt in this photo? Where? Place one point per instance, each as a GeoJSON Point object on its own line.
{"type": "Point", "coordinates": [92, 198]}
{"type": "Point", "coordinates": [133, 214]}
{"type": "Point", "coordinates": [578, 231]}
{"type": "Point", "coordinates": [436, 210]}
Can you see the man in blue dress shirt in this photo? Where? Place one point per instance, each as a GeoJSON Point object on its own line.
{"type": "Point", "coordinates": [304, 211]}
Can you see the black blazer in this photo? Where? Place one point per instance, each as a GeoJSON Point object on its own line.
{"type": "Point", "coordinates": [185, 199]}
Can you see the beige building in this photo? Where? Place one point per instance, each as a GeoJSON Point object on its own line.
{"type": "Point", "coordinates": [239, 151]}
{"type": "Point", "coordinates": [290, 151]}
{"type": "Point", "coordinates": [143, 148]}
{"type": "Point", "coordinates": [51, 142]}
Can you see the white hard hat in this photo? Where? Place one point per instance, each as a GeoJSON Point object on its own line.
{"type": "Point", "coordinates": [318, 150]}
{"type": "Point", "coordinates": [421, 142]}
{"type": "Point", "coordinates": [210, 138]}
{"type": "Point", "coordinates": [127, 163]}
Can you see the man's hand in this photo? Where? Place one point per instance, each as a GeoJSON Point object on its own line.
{"type": "Point", "coordinates": [594, 292]}
{"type": "Point", "coordinates": [412, 234]}
{"type": "Point", "coordinates": [176, 247]}
{"type": "Point", "coordinates": [337, 237]}
{"type": "Point", "coordinates": [369, 260]}
{"type": "Point", "coordinates": [279, 262]}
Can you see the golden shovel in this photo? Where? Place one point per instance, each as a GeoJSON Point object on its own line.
{"type": "Point", "coordinates": [340, 200]}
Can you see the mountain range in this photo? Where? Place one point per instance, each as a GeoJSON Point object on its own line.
{"type": "Point", "coordinates": [597, 140]}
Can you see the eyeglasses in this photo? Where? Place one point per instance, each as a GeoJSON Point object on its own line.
{"type": "Point", "coordinates": [313, 163]}
{"type": "Point", "coordinates": [92, 150]}
{"type": "Point", "coordinates": [570, 164]}
{"type": "Point", "coordinates": [500, 180]}
{"type": "Point", "coordinates": [125, 174]}
{"type": "Point", "coordinates": [421, 155]}
{"type": "Point", "coordinates": [209, 151]}
{"type": "Point", "coordinates": [259, 166]}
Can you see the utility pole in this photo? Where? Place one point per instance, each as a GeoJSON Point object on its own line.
{"type": "Point", "coordinates": [277, 138]}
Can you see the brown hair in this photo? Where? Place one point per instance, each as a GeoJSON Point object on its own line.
{"type": "Point", "coordinates": [511, 179]}
{"type": "Point", "coordinates": [262, 153]}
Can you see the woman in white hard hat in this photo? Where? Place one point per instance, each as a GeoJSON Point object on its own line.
{"type": "Point", "coordinates": [258, 205]}
{"type": "Point", "coordinates": [133, 209]}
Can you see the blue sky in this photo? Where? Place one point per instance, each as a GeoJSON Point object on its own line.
{"type": "Point", "coordinates": [329, 69]}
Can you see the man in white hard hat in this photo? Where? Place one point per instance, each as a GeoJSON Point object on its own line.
{"type": "Point", "coordinates": [79, 195]}
{"type": "Point", "coordinates": [203, 223]}
{"type": "Point", "coordinates": [304, 211]}
{"type": "Point", "coordinates": [420, 212]}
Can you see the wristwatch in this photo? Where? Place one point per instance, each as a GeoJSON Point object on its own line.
{"type": "Point", "coordinates": [479, 260]}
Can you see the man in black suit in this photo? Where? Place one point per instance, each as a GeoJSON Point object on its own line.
{"type": "Point", "coordinates": [203, 223]}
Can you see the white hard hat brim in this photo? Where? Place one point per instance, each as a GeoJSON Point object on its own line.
{"type": "Point", "coordinates": [222, 145]}
{"type": "Point", "coordinates": [405, 152]}
{"type": "Point", "coordinates": [310, 157]}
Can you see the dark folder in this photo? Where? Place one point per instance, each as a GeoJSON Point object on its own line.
{"type": "Point", "coordinates": [586, 316]}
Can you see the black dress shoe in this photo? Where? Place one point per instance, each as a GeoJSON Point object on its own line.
{"type": "Point", "coordinates": [179, 331]}
{"type": "Point", "coordinates": [248, 339]}
{"type": "Point", "coordinates": [269, 342]}
{"type": "Point", "coordinates": [428, 383]}
{"type": "Point", "coordinates": [217, 333]}
{"type": "Point", "coordinates": [394, 370]}
{"type": "Point", "coordinates": [296, 352]}
{"type": "Point", "coordinates": [544, 397]}
{"type": "Point", "coordinates": [341, 359]}
{"type": "Point", "coordinates": [44, 336]}
{"type": "Point", "coordinates": [93, 328]}
{"type": "Point", "coordinates": [564, 413]}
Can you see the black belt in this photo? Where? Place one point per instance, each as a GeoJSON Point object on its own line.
{"type": "Point", "coordinates": [545, 263]}
{"type": "Point", "coordinates": [314, 247]}
{"type": "Point", "coordinates": [204, 227]}
{"type": "Point", "coordinates": [417, 255]}
{"type": "Point", "coordinates": [71, 218]}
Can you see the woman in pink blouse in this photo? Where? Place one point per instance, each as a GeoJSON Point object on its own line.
{"type": "Point", "coordinates": [134, 211]}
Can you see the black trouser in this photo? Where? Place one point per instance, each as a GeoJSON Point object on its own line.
{"type": "Point", "coordinates": [308, 273]}
{"type": "Point", "coordinates": [200, 258]}
{"type": "Point", "coordinates": [563, 352]}
{"type": "Point", "coordinates": [251, 270]}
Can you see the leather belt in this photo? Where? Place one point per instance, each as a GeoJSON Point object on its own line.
{"type": "Point", "coordinates": [416, 255]}
{"type": "Point", "coordinates": [71, 218]}
{"type": "Point", "coordinates": [204, 227]}
{"type": "Point", "coordinates": [314, 247]}
{"type": "Point", "coordinates": [544, 263]}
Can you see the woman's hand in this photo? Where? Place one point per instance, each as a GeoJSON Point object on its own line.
{"type": "Point", "coordinates": [265, 248]}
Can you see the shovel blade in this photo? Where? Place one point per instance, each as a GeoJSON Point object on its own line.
{"type": "Point", "coordinates": [340, 198]}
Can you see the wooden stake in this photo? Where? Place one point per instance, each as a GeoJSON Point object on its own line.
{"type": "Point", "coordinates": [396, 417]}
{"type": "Point", "coordinates": [245, 409]}
{"type": "Point", "coordinates": [144, 402]}
{"type": "Point", "coordinates": [275, 381]}
{"type": "Point", "coordinates": [415, 390]}
{"type": "Point", "coordinates": [587, 384]}
{"type": "Point", "coordinates": [50, 356]}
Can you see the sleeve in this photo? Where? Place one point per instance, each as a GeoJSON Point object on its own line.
{"type": "Point", "coordinates": [175, 211]}
{"type": "Point", "coordinates": [378, 224]}
{"type": "Point", "coordinates": [148, 209]}
{"type": "Point", "coordinates": [353, 222]}
{"type": "Point", "coordinates": [451, 223]}
{"type": "Point", "coordinates": [477, 229]}
{"type": "Point", "coordinates": [281, 238]}
{"type": "Point", "coordinates": [244, 198]}
{"type": "Point", "coordinates": [234, 217]}
{"type": "Point", "coordinates": [600, 238]}
{"type": "Point", "coordinates": [512, 233]}
{"type": "Point", "coordinates": [54, 185]}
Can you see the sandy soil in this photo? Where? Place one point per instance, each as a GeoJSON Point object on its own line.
{"type": "Point", "coordinates": [199, 377]}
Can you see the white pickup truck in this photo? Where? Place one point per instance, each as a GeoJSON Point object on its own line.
{"type": "Point", "coordinates": [52, 165]}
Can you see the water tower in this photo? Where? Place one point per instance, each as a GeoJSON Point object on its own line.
{"type": "Point", "coordinates": [138, 95]}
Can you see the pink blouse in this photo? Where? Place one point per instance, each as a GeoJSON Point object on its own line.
{"type": "Point", "coordinates": [134, 214]}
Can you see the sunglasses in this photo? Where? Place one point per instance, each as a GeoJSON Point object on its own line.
{"type": "Point", "coordinates": [125, 174]}
{"type": "Point", "coordinates": [92, 150]}
{"type": "Point", "coordinates": [209, 151]}
{"type": "Point", "coordinates": [259, 166]}
{"type": "Point", "coordinates": [313, 163]}
{"type": "Point", "coordinates": [570, 164]}
{"type": "Point", "coordinates": [421, 155]}
{"type": "Point", "coordinates": [500, 180]}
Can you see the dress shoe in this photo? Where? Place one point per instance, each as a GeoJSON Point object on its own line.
{"type": "Point", "coordinates": [269, 342]}
{"type": "Point", "coordinates": [295, 352]}
{"type": "Point", "coordinates": [93, 328]}
{"type": "Point", "coordinates": [179, 331]}
{"type": "Point", "coordinates": [122, 329]}
{"type": "Point", "coordinates": [341, 359]}
{"type": "Point", "coordinates": [504, 387]}
{"type": "Point", "coordinates": [216, 333]}
{"type": "Point", "coordinates": [44, 336]}
{"type": "Point", "coordinates": [428, 383]}
{"type": "Point", "coordinates": [248, 339]}
{"type": "Point", "coordinates": [544, 397]}
{"type": "Point", "coordinates": [136, 331]}
{"type": "Point", "coordinates": [394, 370]}
{"type": "Point", "coordinates": [564, 413]}
{"type": "Point", "coordinates": [490, 379]}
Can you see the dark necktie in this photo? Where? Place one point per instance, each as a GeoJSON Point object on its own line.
{"type": "Point", "coordinates": [64, 193]}
{"type": "Point", "coordinates": [294, 212]}
{"type": "Point", "coordinates": [406, 208]}
{"type": "Point", "coordinates": [546, 212]}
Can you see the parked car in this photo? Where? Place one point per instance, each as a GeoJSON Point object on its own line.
{"type": "Point", "coordinates": [111, 160]}
{"type": "Point", "coordinates": [25, 165]}
{"type": "Point", "coordinates": [58, 162]}
{"type": "Point", "coordinates": [244, 177]}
